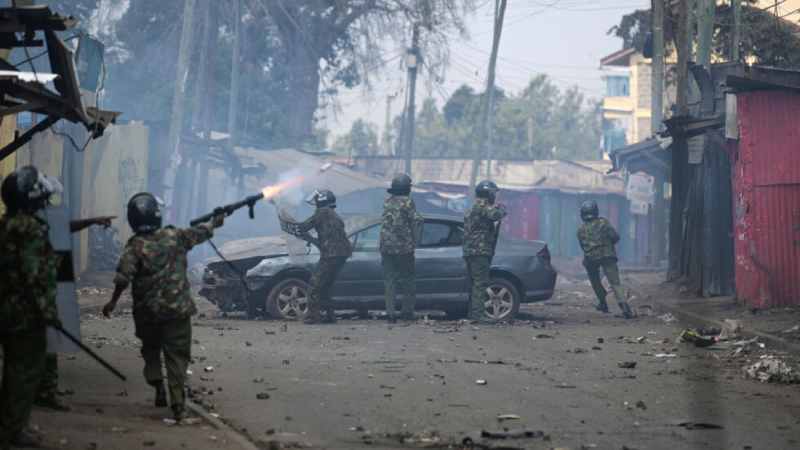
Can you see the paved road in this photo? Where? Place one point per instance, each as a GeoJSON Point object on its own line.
{"type": "Point", "coordinates": [364, 384]}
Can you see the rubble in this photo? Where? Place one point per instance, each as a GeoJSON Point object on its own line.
{"type": "Point", "coordinates": [731, 329]}
{"type": "Point", "coordinates": [481, 382]}
{"type": "Point", "coordinates": [667, 318]}
{"type": "Point", "coordinates": [771, 369]}
{"type": "Point", "coordinates": [627, 364]}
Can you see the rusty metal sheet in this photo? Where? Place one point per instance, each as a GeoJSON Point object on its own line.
{"type": "Point", "coordinates": [766, 176]}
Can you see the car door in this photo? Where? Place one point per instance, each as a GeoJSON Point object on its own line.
{"type": "Point", "coordinates": [440, 266]}
{"type": "Point", "coordinates": [362, 274]}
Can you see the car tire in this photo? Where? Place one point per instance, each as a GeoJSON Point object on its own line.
{"type": "Point", "coordinates": [504, 300]}
{"type": "Point", "coordinates": [289, 299]}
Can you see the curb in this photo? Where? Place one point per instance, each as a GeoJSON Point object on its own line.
{"type": "Point", "coordinates": [230, 432]}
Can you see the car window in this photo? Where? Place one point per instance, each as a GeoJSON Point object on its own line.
{"type": "Point", "coordinates": [435, 234]}
{"type": "Point", "coordinates": [367, 240]}
{"type": "Point", "coordinates": [456, 236]}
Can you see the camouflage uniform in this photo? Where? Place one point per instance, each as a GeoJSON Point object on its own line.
{"type": "Point", "coordinates": [399, 231]}
{"type": "Point", "coordinates": [597, 238]}
{"type": "Point", "coordinates": [28, 267]}
{"type": "Point", "coordinates": [480, 236]}
{"type": "Point", "coordinates": [155, 264]}
{"type": "Point", "coordinates": [334, 249]}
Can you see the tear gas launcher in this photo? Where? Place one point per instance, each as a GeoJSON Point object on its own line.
{"type": "Point", "coordinates": [227, 210]}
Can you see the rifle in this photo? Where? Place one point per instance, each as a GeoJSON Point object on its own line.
{"type": "Point", "coordinates": [91, 353]}
{"type": "Point", "coordinates": [227, 210]}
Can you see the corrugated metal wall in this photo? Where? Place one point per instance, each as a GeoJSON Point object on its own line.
{"type": "Point", "coordinates": [766, 174]}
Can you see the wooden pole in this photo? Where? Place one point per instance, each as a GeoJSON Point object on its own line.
{"type": "Point", "coordinates": [412, 99]}
{"type": "Point", "coordinates": [736, 35]}
{"type": "Point", "coordinates": [657, 105]}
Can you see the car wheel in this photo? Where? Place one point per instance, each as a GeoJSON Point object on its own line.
{"type": "Point", "coordinates": [504, 300]}
{"type": "Point", "coordinates": [289, 299]}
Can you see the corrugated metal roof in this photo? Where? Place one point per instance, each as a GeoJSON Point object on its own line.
{"type": "Point", "coordinates": [578, 176]}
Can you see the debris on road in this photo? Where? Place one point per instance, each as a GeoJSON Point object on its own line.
{"type": "Point", "coordinates": [665, 355]}
{"type": "Point", "coordinates": [699, 426]}
{"type": "Point", "coordinates": [627, 364]}
{"type": "Point", "coordinates": [481, 382]}
{"type": "Point", "coordinates": [668, 318]}
{"type": "Point", "coordinates": [543, 336]}
{"type": "Point", "coordinates": [771, 369]}
{"type": "Point", "coordinates": [258, 380]}
{"type": "Point", "coordinates": [794, 329]}
{"type": "Point", "coordinates": [731, 329]}
{"type": "Point", "coordinates": [209, 369]}
{"type": "Point", "coordinates": [262, 396]}
{"type": "Point", "coordinates": [503, 417]}
{"type": "Point", "coordinates": [694, 337]}
{"type": "Point", "coordinates": [601, 340]}
{"type": "Point", "coordinates": [641, 405]}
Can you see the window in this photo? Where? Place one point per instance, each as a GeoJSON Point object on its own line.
{"type": "Point", "coordinates": [617, 86]}
{"type": "Point", "coordinates": [437, 234]}
{"type": "Point", "coordinates": [367, 240]}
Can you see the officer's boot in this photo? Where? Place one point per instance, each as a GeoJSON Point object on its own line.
{"type": "Point", "coordinates": [26, 439]}
{"type": "Point", "coordinates": [601, 305]}
{"type": "Point", "coordinates": [161, 395]}
{"type": "Point", "coordinates": [626, 310]}
{"type": "Point", "coordinates": [330, 315]}
{"type": "Point", "coordinates": [51, 401]}
{"type": "Point", "coordinates": [312, 316]}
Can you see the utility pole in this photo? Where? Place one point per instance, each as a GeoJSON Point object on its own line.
{"type": "Point", "coordinates": [412, 62]}
{"type": "Point", "coordinates": [486, 134]}
{"type": "Point", "coordinates": [706, 10]}
{"type": "Point", "coordinates": [387, 131]}
{"type": "Point", "coordinates": [179, 94]}
{"type": "Point", "coordinates": [233, 105]}
{"type": "Point", "coordinates": [657, 106]}
{"type": "Point", "coordinates": [736, 36]}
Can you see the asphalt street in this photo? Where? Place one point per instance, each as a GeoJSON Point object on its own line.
{"type": "Point", "coordinates": [555, 373]}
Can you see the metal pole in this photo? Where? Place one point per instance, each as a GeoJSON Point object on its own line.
{"type": "Point", "coordinates": [412, 93]}
{"type": "Point", "coordinates": [736, 36]}
{"type": "Point", "coordinates": [233, 105]}
{"type": "Point", "coordinates": [657, 105]}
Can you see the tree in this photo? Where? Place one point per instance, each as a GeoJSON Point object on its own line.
{"type": "Point", "coordinates": [766, 39]}
{"type": "Point", "coordinates": [541, 122]}
{"type": "Point", "coordinates": [338, 43]}
{"type": "Point", "coordinates": [362, 140]}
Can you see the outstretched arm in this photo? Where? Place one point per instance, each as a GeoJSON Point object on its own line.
{"type": "Point", "coordinates": [81, 224]}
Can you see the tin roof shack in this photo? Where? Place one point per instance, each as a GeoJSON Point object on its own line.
{"type": "Point", "coordinates": [543, 198]}
{"type": "Point", "coordinates": [763, 110]}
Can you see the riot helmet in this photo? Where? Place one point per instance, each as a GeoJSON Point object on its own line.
{"type": "Point", "coordinates": [322, 198]}
{"type": "Point", "coordinates": [144, 212]}
{"type": "Point", "coordinates": [589, 210]}
{"type": "Point", "coordinates": [486, 189]}
{"type": "Point", "coordinates": [401, 185]}
{"type": "Point", "coordinates": [29, 190]}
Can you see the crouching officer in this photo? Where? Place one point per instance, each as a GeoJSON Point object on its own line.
{"type": "Point", "coordinates": [480, 239]}
{"type": "Point", "coordinates": [334, 249]}
{"type": "Point", "coordinates": [154, 262]}
{"type": "Point", "coordinates": [28, 269]}
{"type": "Point", "coordinates": [597, 238]}
{"type": "Point", "coordinates": [399, 232]}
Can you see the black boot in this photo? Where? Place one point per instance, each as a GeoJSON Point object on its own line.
{"type": "Point", "coordinates": [26, 439]}
{"type": "Point", "coordinates": [50, 401]}
{"type": "Point", "coordinates": [626, 310]}
{"type": "Point", "coordinates": [161, 396]}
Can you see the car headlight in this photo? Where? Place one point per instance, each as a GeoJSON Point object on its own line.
{"type": "Point", "coordinates": [268, 267]}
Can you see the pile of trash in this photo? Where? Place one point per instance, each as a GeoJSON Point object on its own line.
{"type": "Point", "coordinates": [706, 337]}
{"type": "Point", "coordinates": [771, 369]}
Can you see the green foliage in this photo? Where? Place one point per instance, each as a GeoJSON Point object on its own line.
{"type": "Point", "coordinates": [769, 40]}
{"type": "Point", "coordinates": [362, 140]}
{"type": "Point", "coordinates": [541, 122]}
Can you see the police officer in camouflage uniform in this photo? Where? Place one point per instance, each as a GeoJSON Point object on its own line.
{"type": "Point", "coordinates": [334, 249]}
{"type": "Point", "coordinates": [154, 262]}
{"type": "Point", "coordinates": [597, 238]}
{"type": "Point", "coordinates": [480, 239]}
{"type": "Point", "coordinates": [28, 269]}
{"type": "Point", "coordinates": [399, 231]}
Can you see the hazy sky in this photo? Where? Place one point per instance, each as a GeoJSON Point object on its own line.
{"type": "Point", "coordinates": [562, 38]}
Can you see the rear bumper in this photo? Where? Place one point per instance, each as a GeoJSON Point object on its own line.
{"type": "Point", "coordinates": [544, 287]}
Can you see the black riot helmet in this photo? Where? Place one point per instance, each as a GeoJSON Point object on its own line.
{"type": "Point", "coordinates": [401, 185]}
{"type": "Point", "coordinates": [28, 190]}
{"type": "Point", "coordinates": [589, 210]}
{"type": "Point", "coordinates": [144, 212]}
{"type": "Point", "coordinates": [322, 198]}
{"type": "Point", "coordinates": [486, 189]}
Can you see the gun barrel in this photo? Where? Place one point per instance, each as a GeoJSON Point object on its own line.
{"type": "Point", "coordinates": [227, 209]}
